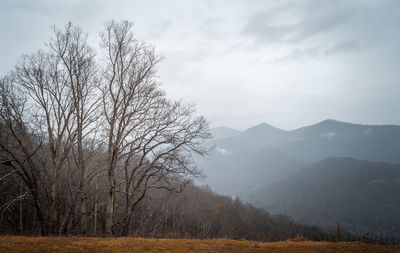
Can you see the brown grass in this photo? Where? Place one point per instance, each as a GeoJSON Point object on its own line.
{"type": "Point", "coordinates": [14, 244]}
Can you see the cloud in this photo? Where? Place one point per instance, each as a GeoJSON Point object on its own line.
{"type": "Point", "coordinates": [306, 53]}
{"type": "Point", "coordinates": [329, 135]}
{"type": "Point", "coordinates": [343, 47]}
{"type": "Point", "coordinates": [367, 132]}
{"type": "Point", "coordinates": [298, 54]}
{"type": "Point", "coordinates": [297, 21]}
{"type": "Point", "coordinates": [323, 28]}
{"type": "Point", "coordinates": [222, 151]}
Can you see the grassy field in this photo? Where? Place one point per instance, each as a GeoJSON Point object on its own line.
{"type": "Point", "coordinates": [11, 244]}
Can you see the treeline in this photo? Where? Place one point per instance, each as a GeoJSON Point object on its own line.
{"type": "Point", "coordinates": [196, 212]}
{"type": "Point", "coordinates": [84, 135]}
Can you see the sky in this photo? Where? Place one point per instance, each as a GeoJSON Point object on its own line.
{"type": "Point", "coordinates": [287, 63]}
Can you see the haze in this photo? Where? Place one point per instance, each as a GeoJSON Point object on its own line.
{"type": "Point", "coordinates": [289, 63]}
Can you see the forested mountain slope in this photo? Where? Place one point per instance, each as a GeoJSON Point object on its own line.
{"type": "Point", "coordinates": [362, 195]}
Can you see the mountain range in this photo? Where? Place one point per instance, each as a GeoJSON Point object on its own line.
{"type": "Point", "coordinates": [309, 172]}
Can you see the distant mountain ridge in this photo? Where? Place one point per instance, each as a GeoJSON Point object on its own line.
{"type": "Point", "coordinates": [324, 139]}
{"type": "Point", "coordinates": [247, 162]}
{"type": "Point", "coordinates": [267, 153]}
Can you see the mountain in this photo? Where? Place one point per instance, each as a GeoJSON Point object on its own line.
{"type": "Point", "coordinates": [335, 138]}
{"type": "Point", "coordinates": [253, 139]}
{"type": "Point", "coordinates": [362, 195]}
{"type": "Point", "coordinates": [223, 132]}
{"type": "Point", "coordinates": [251, 163]}
{"type": "Point", "coordinates": [231, 168]}
{"type": "Point", "coordinates": [263, 153]}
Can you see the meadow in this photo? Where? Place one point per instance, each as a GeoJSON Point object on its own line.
{"type": "Point", "coordinates": [19, 244]}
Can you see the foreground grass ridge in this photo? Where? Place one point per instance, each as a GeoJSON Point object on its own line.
{"type": "Point", "coordinates": [16, 244]}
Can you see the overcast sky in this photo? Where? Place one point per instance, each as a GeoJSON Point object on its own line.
{"type": "Point", "coordinates": [287, 63]}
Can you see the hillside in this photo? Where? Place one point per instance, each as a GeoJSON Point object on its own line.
{"type": "Point", "coordinates": [19, 244]}
{"type": "Point", "coordinates": [200, 213]}
{"type": "Point", "coordinates": [361, 195]}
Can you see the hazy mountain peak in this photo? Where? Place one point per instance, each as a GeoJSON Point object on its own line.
{"type": "Point", "coordinates": [329, 121]}
{"type": "Point", "coordinates": [332, 122]}
{"type": "Point", "coordinates": [327, 126]}
{"type": "Point", "coordinates": [262, 127]}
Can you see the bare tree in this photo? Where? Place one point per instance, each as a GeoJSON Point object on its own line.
{"type": "Point", "coordinates": [146, 134]}
{"type": "Point", "coordinates": [19, 148]}
{"type": "Point", "coordinates": [42, 77]}
{"type": "Point", "coordinates": [77, 59]}
{"type": "Point", "coordinates": [159, 154]}
{"type": "Point", "coordinates": [61, 83]}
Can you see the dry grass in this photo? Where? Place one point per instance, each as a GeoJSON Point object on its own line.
{"type": "Point", "coordinates": [13, 244]}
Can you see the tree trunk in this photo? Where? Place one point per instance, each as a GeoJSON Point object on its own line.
{"type": "Point", "coordinates": [110, 202]}
{"type": "Point", "coordinates": [53, 210]}
{"type": "Point", "coordinates": [109, 212]}
{"type": "Point", "coordinates": [20, 210]}
{"type": "Point", "coordinates": [95, 199]}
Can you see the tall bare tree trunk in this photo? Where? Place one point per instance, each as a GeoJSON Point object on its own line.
{"type": "Point", "coordinates": [110, 200]}
{"type": "Point", "coordinates": [20, 209]}
{"type": "Point", "coordinates": [109, 212]}
{"type": "Point", "coordinates": [53, 210]}
{"type": "Point", "coordinates": [94, 227]}
{"type": "Point", "coordinates": [82, 170]}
